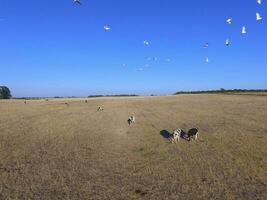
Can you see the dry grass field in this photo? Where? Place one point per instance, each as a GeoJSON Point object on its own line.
{"type": "Point", "coordinates": [49, 150]}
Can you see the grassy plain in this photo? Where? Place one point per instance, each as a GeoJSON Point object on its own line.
{"type": "Point", "coordinates": [50, 150]}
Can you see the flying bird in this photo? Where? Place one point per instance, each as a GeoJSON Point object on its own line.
{"type": "Point", "coordinates": [244, 30]}
{"type": "Point", "coordinates": [259, 1]}
{"type": "Point", "coordinates": [227, 42]}
{"type": "Point", "coordinates": [207, 60]}
{"type": "Point", "coordinates": [229, 21]}
{"type": "Point", "coordinates": [146, 43]}
{"type": "Point", "coordinates": [107, 28]}
{"type": "Point", "coordinates": [206, 45]}
{"type": "Point", "coordinates": [77, 2]}
{"type": "Point", "coordinates": [258, 17]}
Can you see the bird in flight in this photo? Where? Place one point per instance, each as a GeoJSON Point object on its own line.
{"type": "Point", "coordinates": [229, 21]}
{"type": "Point", "coordinates": [146, 43]}
{"type": "Point", "coordinates": [227, 42]}
{"type": "Point", "coordinates": [106, 27]}
{"type": "Point", "coordinates": [207, 60]}
{"type": "Point", "coordinates": [77, 2]}
{"type": "Point", "coordinates": [259, 1]}
{"type": "Point", "coordinates": [206, 45]}
{"type": "Point", "coordinates": [258, 17]}
{"type": "Point", "coordinates": [244, 30]}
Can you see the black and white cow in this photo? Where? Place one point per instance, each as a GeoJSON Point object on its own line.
{"type": "Point", "coordinates": [131, 120]}
{"type": "Point", "coordinates": [175, 137]}
{"type": "Point", "coordinates": [192, 134]}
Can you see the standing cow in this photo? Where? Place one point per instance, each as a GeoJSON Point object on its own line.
{"type": "Point", "coordinates": [131, 120]}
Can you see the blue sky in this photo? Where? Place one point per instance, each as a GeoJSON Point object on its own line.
{"type": "Point", "coordinates": [54, 48]}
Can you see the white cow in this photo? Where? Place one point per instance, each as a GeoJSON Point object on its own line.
{"type": "Point", "coordinates": [176, 135]}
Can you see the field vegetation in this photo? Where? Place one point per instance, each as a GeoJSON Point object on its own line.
{"type": "Point", "coordinates": [53, 150]}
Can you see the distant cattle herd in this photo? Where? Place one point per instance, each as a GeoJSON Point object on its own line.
{"type": "Point", "coordinates": [175, 136]}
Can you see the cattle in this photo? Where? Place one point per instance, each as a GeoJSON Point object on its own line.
{"type": "Point", "coordinates": [131, 120]}
{"type": "Point", "coordinates": [192, 134]}
{"type": "Point", "coordinates": [100, 108]}
{"type": "Point", "coordinates": [175, 137]}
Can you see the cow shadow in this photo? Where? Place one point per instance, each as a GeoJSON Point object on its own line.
{"type": "Point", "coordinates": [184, 136]}
{"type": "Point", "coordinates": [165, 134]}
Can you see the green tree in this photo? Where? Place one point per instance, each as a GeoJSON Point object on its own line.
{"type": "Point", "coordinates": [5, 92]}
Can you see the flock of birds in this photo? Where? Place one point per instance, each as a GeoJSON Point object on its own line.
{"type": "Point", "coordinates": [145, 42]}
{"type": "Point", "coordinates": [229, 21]}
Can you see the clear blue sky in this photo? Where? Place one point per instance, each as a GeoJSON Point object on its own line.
{"type": "Point", "coordinates": [52, 47]}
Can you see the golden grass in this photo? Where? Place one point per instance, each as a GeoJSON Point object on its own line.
{"type": "Point", "coordinates": [52, 151]}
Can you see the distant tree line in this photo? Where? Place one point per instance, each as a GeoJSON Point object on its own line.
{"type": "Point", "coordinates": [5, 92]}
{"type": "Point", "coordinates": [221, 91]}
{"type": "Point", "coordinates": [73, 97]}
{"type": "Point", "coordinates": [30, 98]}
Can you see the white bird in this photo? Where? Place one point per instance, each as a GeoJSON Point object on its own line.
{"type": "Point", "coordinates": [207, 60]}
{"type": "Point", "coordinates": [244, 30]}
{"type": "Point", "coordinates": [106, 27]}
{"type": "Point", "coordinates": [227, 42]}
{"type": "Point", "coordinates": [259, 1]}
{"type": "Point", "coordinates": [258, 17]}
{"type": "Point", "coordinates": [77, 2]}
{"type": "Point", "coordinates": [229, 21]}
{"type": "Point", "coordinates": [146, 43]}
{"type": "Point", "coordinates": [155, 59]}
{"type": "Point", "coordinates": [206, 45]}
